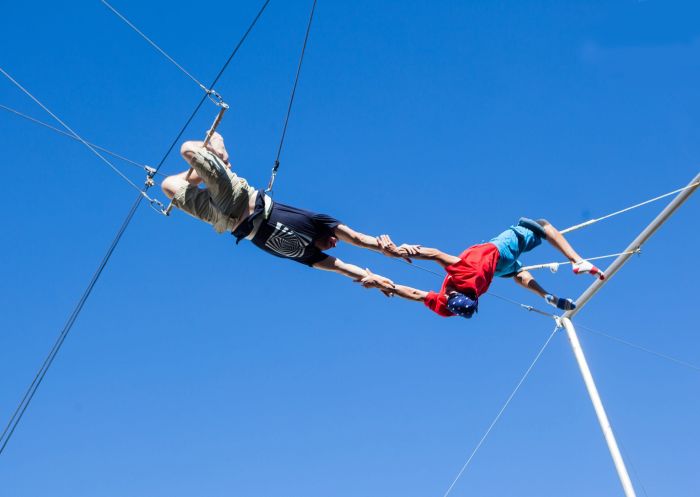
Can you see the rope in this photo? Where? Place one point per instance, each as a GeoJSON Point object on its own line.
{"type": "Point", "coordinates": [640, 347]}
{"type": "Point", "coordinates": [216, 80]}
{"type": "Point", "coordinates": [554, 266]}
{"type": "Point", "coordinates": [273, 175]}
{"type": "Point", "coordinates": [500, 413]}
{"type": "Point", "coordinates": [607, 216]}
{"type": "Point", "coordinates": [210, 89]}
{"type": "Point", "coordinates": [524, 306]}
{"type": "Point", "coordinates": [52, 128]}
{"type": "Point", "coordinates": [31, 390]}
{"type": "Point", "coordinates": [78, 137]}
{"type": "Point", "coordinates": [41, 373]}
{"type": "Point", "coordinates": [154, 45]}
{"type": "Point", "coordinates": [528, 308]}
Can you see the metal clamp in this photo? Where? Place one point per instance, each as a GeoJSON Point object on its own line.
{"type": "Point", "coordinates": [216, 97]}
{"type": "Point", "coordinates": [273, 176]}
{"type": "Point", "coordinates": [150, 173]}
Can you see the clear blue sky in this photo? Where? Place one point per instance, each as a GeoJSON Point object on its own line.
{"type": "Point", "coordinates": [203, 368]}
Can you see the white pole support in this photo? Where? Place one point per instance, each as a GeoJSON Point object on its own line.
{"type": "Point", "coordinates": [599, 409]}
{"type": "Point", "coordinates": [586, 296]}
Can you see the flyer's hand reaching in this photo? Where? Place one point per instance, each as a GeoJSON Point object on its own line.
{"type": "Point", "coordinates": [389, 248]}
{"type": "Point", "coordinates": [385, 285]}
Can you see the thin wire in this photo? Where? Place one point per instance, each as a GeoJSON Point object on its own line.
{"type": "Point", "coordinates": [291, 101]}
{"type": "Point", "coordinates": [643, 349]}
{"type": "Point", "coordinates": [213, 83]}
{"type": "Point", "coordinates": [593, 221]}
{"type": "Point", "coordinates": [31, 390]}
{"type": "Point", "coordinates": [542, 266]}
{"type": "Point", "coordinates": [505, 299]}
{"type": "Point", "coordinates": [524, 306]}
{"type": "Point", "coordinates": [52, 128]}
{"type": "Point", "coordinates": [154, 45]}
{"type": "Point", "coordinates": [41, 373]}
{"type": "Point", "coordinates": [627, 457]}
{"type": "Point", "coordinates": [500, 413]}
{"type": "Point", "coordinates": [77, 137]}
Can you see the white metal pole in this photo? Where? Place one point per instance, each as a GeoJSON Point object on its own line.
{"type": "Point", "coordinates": [585, 297]}
{"type": "Point", "coordinates": [599, 409]}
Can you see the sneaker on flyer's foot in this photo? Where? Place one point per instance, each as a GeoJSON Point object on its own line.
{"type": "Point", "coordinates": [583, 266]}
{"type": "Point", "coordinates": [560, 303]}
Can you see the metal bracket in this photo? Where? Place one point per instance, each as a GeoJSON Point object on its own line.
{"type": "Point", "coordinates": [215, 97]}
{"type": "Point", "coordinates": [150, 173]}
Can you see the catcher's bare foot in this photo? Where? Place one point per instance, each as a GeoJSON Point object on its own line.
{"type": "Point", "coordinates": [216, 145]}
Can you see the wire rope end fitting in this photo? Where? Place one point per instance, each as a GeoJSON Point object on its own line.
{"type": "Point", "coordinates": [150, 173]}
{"type": "Point", "coordinates": [215, 97]}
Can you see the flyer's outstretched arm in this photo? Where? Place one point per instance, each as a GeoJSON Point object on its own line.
{"type": "Point", "coordinates": [418, 252]}
{"type": "Point", "coordinates": [406, 292]}
{"type": "Point", "coordinates": [377, 243]}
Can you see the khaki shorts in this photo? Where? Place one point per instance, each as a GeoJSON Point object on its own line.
{"type": "Point", "coordinates": [225, 198]}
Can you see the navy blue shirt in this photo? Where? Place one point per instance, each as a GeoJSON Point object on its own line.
{"type": "Point", "coordinates": [288, 232]}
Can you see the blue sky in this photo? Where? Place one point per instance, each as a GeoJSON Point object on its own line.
{"type": "Point", "coordinates": [203, 368]}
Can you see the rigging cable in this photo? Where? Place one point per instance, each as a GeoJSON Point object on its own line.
{"type": "Point", "coordinates": [500, 413]}
{"type": "Point", "coordinates": [612, 214]}
{"type": "Point", "coordinates": [640, 347]}
{"type": "Point", "coordinates": [41, 373]}
{"type": "Point", "coordinates": [56, 130]}
{"type": "Point", "coordinates": [276, 166]}
{"type": "Point", "coordinates": [505, 299]}
{"type": "Point", "coordinates": [142, 192]}
{"type": "Point", "coordinates": [554, 266]}
{"type": "Point", "coordinates": [154, 45]}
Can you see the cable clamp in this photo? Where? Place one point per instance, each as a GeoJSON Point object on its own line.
{"type": "Point", "coordinates": [273, 176]}
{"type": "Point", "coordinates": [154, 203]}
{"type": "Point", "coordinates": [150, 173]}
{"type": "Point", "coordinates": [215, 97]}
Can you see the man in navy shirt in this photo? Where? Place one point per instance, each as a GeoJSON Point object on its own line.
{"type": "Point", "coordinates": [229, 204]}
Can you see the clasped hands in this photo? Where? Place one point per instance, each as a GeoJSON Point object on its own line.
{"type": "Point", "coordinates": [388, 248]}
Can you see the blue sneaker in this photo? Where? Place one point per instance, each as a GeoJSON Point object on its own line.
{"type": "Point", "coordinates": [560, 303]}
